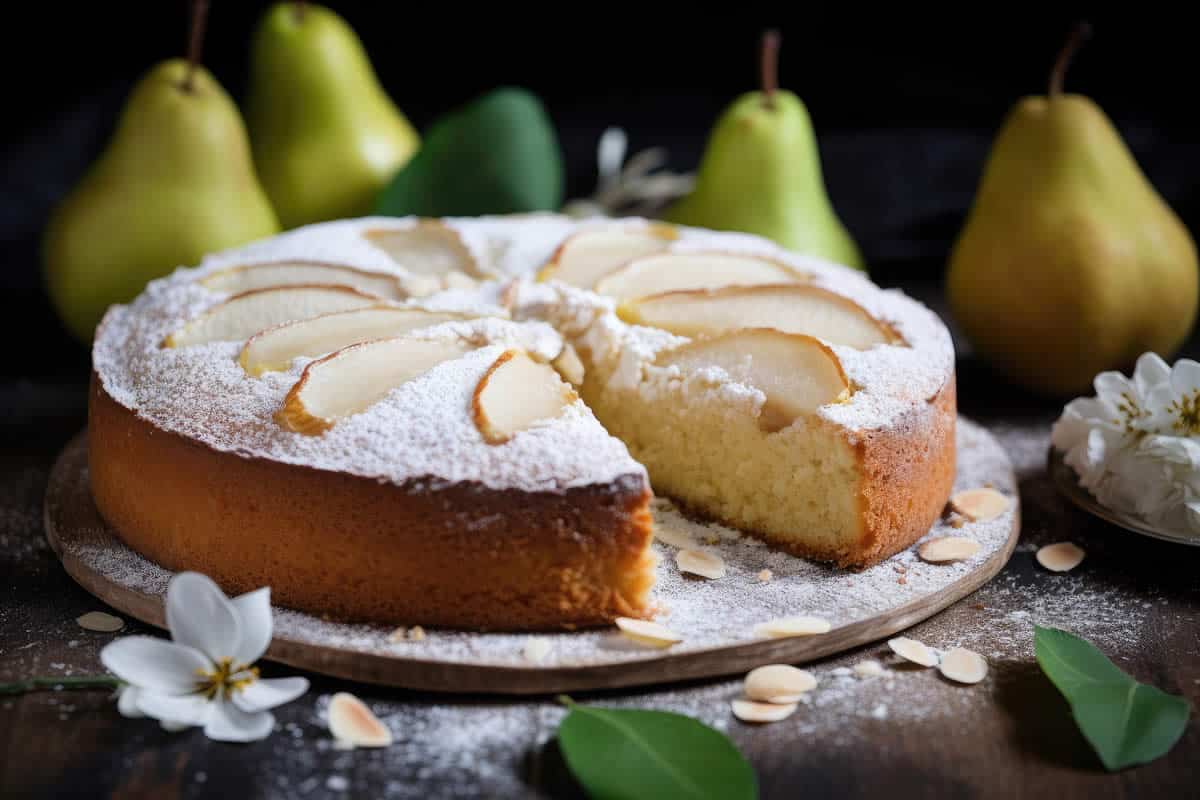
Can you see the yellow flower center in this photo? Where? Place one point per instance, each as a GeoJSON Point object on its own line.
{"type": "Point", "coordinates": [225, 679]}
{"type": "Point", "coordinates": [1187, 411]}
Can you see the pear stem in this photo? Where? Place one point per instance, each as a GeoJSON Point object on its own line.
{"type": "Point", "coordinates": [769, 66]}
{"type": "Point", "coordinates": [195, 40]}
{"type": "Point", "coordinates": [300, 7]}
{"type": "Point", "coordinates": [1079, 34]}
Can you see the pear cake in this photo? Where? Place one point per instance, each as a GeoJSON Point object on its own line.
{"type": "Point", "coordinates": [457, 422]}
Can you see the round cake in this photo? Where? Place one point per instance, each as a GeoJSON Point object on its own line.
{"type": "Point", "coordinates": [458, 422]}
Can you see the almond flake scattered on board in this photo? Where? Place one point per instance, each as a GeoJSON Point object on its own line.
{"type": "Point", "coordinates": [979, 505]}
{"type": "Point", "coordinates": [780, 684]}
{"type": "Point", "coordinates": [647, 633]}
{"type": "Point", "coordinates": [699, 562]}
{"type": "Point", "coordinates": [750, 711]}
{"type": "Point", "coordinates": [416, 633]}
{"type": "Point", "coordinates": [792, 626]}
{"type": "Point", "coordinates": [674, 537]}
{"type": "Point", "coordinates": [100, 622]}
{"type": "Point", "coordinates": [1060, 557]}
{"type": "Point", "coordinates": [398, 635]}
{"type": "Point", "coordinates": [350, 721]}
{"type": "Point", "coordinates": [914, 651]}
{"type": "Point", "coordinates": [765, 576]}
{"type": "Point", "coordinates": [868, 669]}
{"type": "Point", "coordinates": [536, 649]}
{"type": "Point", "coordinates": [963, 666]}
{"type": "Point", "coordinates": [948, 548]}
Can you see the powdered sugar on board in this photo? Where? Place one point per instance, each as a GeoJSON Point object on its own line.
{"type": "Point", "coordinates": [707, 613]}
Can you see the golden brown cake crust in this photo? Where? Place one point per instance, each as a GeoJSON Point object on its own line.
{"type": "Point", "coordinates": [343, 546]}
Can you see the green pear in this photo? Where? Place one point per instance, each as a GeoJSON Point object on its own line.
{"type": "Point", "coordinates": [326, 137]}
{"type": "Point", "coordinates": [1070, 262]}
{"type": "Point", "coordinates": [497, 155]}
{"type": "Point", "coordinates": [761, 174]}
{"type": "Point", "coordinates": [175, 182]}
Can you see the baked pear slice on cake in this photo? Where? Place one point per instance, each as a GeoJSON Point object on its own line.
{"type": "Point", "coordinates": [275, 348]}
{"type": "Point", "coordinates": [245, 314]}
{"type": "Point", "coordinates": [516, 393]}
{"type": "Point", "coordinates": [791, 308]}
{"type": "Point", "coordinates": [247, 277]}
{"type": "Point", "coordinates": [589, 255]}
{"type": "Point", "coordinates": [356, 377]}
{"type": "Point", "coordinates": [433, 254]}
{"type": "Point", "coordinates": [668, 272]}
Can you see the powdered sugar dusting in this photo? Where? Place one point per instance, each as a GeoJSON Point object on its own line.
{"type": "Point", "coordinates": [708, 613]}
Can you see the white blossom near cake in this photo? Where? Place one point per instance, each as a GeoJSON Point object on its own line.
{"type": "Point", "coordinates": [206, 675]}
{"type": "Point", "coordinates": [1136, 445]}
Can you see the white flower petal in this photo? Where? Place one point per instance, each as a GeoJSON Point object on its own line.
{"type": "Point", "coordinates": [127, 697]}
{"type": "Point", "coordinates": [1151, 371]}
{"type": "Point", "coordinates": [264, 694]}
{"type": "Point", "coordinates": [228, 723]}
{"type": "Point", "coordinates": [154, 664]}
{"type": "Point", "coordinates": [1113, 387]}
{"type": "Point", "coordinates": [185, 710]}
{"type": "Point", "coordinates": [254, 611]}
{"type": "Point", "coordinates": [1185, 376]}
{"type": "Point", "coordinates": [200, 615]}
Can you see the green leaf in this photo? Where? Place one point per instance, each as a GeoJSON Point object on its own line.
{"type": "Point", "coordinates": [1124, 721]}
{"type": "Point", "coordinates": [620, 754]}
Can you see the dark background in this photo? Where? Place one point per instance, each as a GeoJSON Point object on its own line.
{"type": "Point", "coordinates": [904, 108]}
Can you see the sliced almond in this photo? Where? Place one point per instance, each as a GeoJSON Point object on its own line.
{"type": "Point", "coordinates": [702, 563]}
{"type": "Point", "coordinates": [792, 626]}
{"type": "Point", "coordinates": [352, 722]}
{"type": "Point", "coordinates": [979, 505]}
{"type": "Point", "coordinates": [1060, 557]}
{"type": "Point", "coordinates": [675, 537]}
{"type": "Point", "coordinates": [963, 666]}
{"type": "Point", "coordinates": [515, 393]}
{"type": "Point", "coordinates": [948, 548]}
{"type": "Point", "coordinates": [416, 634]}
{"type": "Point", "coordinates": [428, 249]}
{"type": "Point", "coordinates": [356, 377]}
{"type": "Point", "coordinates": [569, 366]}
{"type": "Point", "coordinates": [301, 273]}
{"type": "Point", "coordinates": [781, 684]}
{"type": "Point", "coordinates": [792, 308]}
{"type": "Point", "coordinates": [751, 711]}
{"type": "Point", "coordinates": [536, 649]}
{"type": "Point", "coordinates": [797, 374]}
{"type": "Point", "coordinates": [586, 256]}
{"type": "Point", "coordinates": [100, 622]}
{"type": "Point", "coordinates": [868, 669]}
{"type": "Point", "coordinates": [671, 272]}
{"type": "Point", "coordinates": [765, 576]}
{"type": "Point", "coordinates": [246, 314]}
{"type": "Point", "coordinates": [275, 348]}
{"type": "Point", "coordinates": [647, 633]}
{"type": "Point", "coordinates": [914, 651]}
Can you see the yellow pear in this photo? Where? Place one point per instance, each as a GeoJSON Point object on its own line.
{"type": "Point", "coordinates": [175, 182]}
{"type": "Point", "coordinates": [1070, 262]}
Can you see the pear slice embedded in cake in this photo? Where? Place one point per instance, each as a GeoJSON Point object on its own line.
{"type": "Point", "coordinates": [668, 272]}
{"type": "Point", "coordinates": [356, 377]}
{"type": "Point", "coordinates": [586, 256]}
{"type": "Point", "coordinates": [516, 393]}
{"type": "Point", "coordinates": [791, 308]}
{"type": "Point", "coordinates": [797, 374]}
{"type": "Point", "coordinates": [297, 273]}
{"type": "Point", "coordinates": [246, 314]}
{"type": "Point", "coordinates": [275, 348]}
{"type": "Point", "coordinates": [433, 254]}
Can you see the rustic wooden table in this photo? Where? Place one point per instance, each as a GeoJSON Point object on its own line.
{"type": "Point", "coordinates": [908, 734]}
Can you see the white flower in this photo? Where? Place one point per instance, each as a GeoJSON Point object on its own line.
{"type": "Point", "coordinates": [1136, 444]}
{"type": "Point", "coordinates": [205, 676]}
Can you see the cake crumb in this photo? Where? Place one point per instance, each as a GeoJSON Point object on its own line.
{"type": "Point", "coordinates": [868, 669]}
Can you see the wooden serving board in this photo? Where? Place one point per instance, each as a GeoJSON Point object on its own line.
{"type": "Point", "coordinates": [716, 618]}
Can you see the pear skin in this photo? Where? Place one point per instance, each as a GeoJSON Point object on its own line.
{"type": "Point", "coordinates": [175, 182]}
{"type": "Point", "coordinates": [326, 136]}
{"type": "Point", "coordinates": [1070, 262]}
{"type": "Point", "coordinates": [761, 174]}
